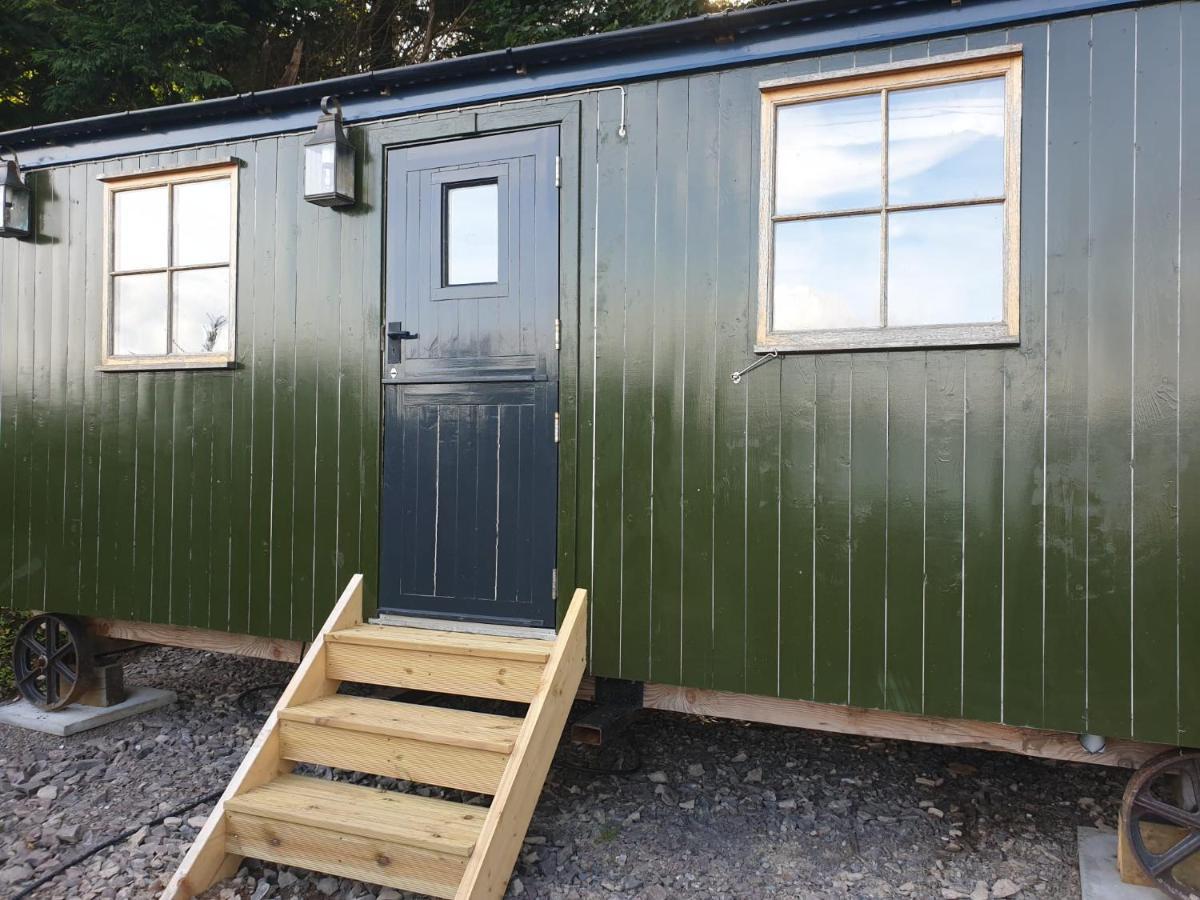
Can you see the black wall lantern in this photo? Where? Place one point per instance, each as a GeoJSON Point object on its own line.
{"type": "Point", "coordinates": [329, 159]}
{"type": "Point", "coordinates": [16, 207]}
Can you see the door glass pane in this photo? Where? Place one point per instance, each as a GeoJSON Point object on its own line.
{"type": "Point", "coordinates": [828, 155]}
{"type": "Point", "coordinates": [201, 222]}
{"type": "Point", "coordinates": [946, 142]}
{"type": "Point", "coordinates": [140, 229]}
{"type": "Point", "coordinates": [202, 311]}
{"type": "Point", "coordinates": [945, 266]}
{"type": "Point", "coordinates": [473, 234]}
{"type": "Point", "coordinates": [826, 274]}
{"type": "Point", "coordinates": [140, 314]}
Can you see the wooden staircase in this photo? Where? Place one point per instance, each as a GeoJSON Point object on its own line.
{"type": "Point", "coordinates": [431, 846]}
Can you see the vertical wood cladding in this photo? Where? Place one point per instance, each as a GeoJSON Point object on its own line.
{"type": "Point", "coordinates": [1004, 534]}
{"type": "Point", "coordinates": [231, 500]}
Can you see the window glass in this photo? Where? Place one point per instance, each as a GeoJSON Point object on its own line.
{"type": "Point", "coordinates": [473, 234]}
{"type": "Point", "coordinates": [140, 229]}
{"type": "Point", "coordinates": [139, 316]}
{"type": "Point", "coordinates": [201, 299]}
{"type": "Point", "coordinates": [894, 208]}
{"type": "Point", "coordinates": [827, 273]}
{"type": "Point", "coordinates": [201, 222]}
{"type": "Point", "coordinates": [946, 142]}
{"type": "Point", "coordinates": [828, 155]}
{"type": "Point", "coordinates": [944, 266]}
{"type": "Point", "coordinates": [171, 284]}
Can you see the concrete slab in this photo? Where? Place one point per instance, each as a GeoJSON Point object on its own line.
{"type": "Point", "coordinates": [77, 718]}
{"type": "Point", "coordinates": [1098, 875]}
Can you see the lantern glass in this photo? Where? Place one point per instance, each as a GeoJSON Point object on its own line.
{"type": "Point", "coordinates": [329, 166]}
{"type": "Point", "coordinates": [16, 210]}
{"type": "Point", "coordinates": [15, 207]}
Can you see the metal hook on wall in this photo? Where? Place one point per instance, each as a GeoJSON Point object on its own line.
{"type": "Point", "coordinates": [736, 377]}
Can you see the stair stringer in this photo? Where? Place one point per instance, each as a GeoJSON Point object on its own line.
{"type": "Point", "coordinates": [207, 861]}
{"type": "Point", "coordinates": [491, 864]}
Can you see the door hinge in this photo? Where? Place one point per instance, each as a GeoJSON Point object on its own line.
{"type": "Point", "coordinates": [558, 334]}
{"type": "Point", "coordinates": [554, 584]}
{"type": "Point", "coordinates": [383, 337]}
{"type": "Point", "coordinates": [557, 427]}
{"type": "Point", "coordinates": [558, 171]}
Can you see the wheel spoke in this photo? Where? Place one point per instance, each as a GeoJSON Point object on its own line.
{"type": "Point", "coordinates": [64, 671]}
{"type": "Point", "coordinates": [1162, 863]}
{"type": "Point", "coordinates": [33, 645]}
{"type": "Point", "coordinates": [51, 638]}
{"type": "Point", "coordinates": [32, 673]}
{"type": "Point", "coordinates": [1172, 814]}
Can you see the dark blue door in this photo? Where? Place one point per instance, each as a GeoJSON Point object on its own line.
{"type": "Point", "coordinates": [470, 374]}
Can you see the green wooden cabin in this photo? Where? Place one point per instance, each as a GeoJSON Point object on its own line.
{"type": "Point", "coordinates": [967, 485]}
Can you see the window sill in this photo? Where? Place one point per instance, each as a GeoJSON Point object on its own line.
{"type": "Point", "coordinates": [166, 364]}
{"type": "Point", "coordinates": [868, 339]}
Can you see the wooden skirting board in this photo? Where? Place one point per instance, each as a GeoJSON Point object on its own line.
{"type": "Point", "coordinates": [900, 726]}
{"type": "Point", "coordinates": [199, 639]}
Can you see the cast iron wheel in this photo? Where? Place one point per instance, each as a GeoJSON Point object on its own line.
{"type": "Point", "coordinates": [1165, 791]}
{"type": "Point", "coordinates": [52, 660]}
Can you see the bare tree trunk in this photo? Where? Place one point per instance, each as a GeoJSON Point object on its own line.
{"type": "Point", "coordinates": [291, 72]}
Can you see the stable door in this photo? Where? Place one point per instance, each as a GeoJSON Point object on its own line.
{"type": "Point", "coordinates": [470, 380]}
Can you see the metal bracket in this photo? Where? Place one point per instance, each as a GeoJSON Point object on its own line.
{"type": "Point", "coordinates": [736, 377]}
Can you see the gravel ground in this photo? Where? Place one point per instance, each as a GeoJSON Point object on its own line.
{"type": "Point", "coordinates": [683, 807]}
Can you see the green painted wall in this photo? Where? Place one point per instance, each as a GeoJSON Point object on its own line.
{"type": "Point", "coordinates": [231, 500]}
{"type": "Point", "coordinates": [1002, 534]}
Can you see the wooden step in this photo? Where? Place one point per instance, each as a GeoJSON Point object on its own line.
{"type": "Point", "coordinates": [381, 837]}
{"type": "Point", "coordinates": [447, 747]}
{"type": "Point", "coordinates": [475, 665]}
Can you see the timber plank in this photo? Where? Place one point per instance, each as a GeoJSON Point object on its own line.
{"type": "Point", "coordinates": [233, 434]}
{"type": "Point", "coordinates": [1110, 337]}
{"type": "Point", "coordinates": [1155, 389]}
{"type": "Point", "coordinates": [489, 869]}
{"type": "Point", "coordinates": [797, 545]}
{"type": "Point", "coordinates": [1025, 372]}
{"type": "Point", "coordinates": [944, 446]}
{"type": "Point", "coordinates": [904, 666]}
{"type": "Point", "coordinates": [637, 489]}
{"type": "Point", "coordinates": [982, 541]}
{"type": "Point", "coordinates": [344, 855]}
{"type": "Point", "coordinates": [831, 536]}
{"type": "Point", "coordinates": [1189, 388]}
{"type": "Point", "coordinates": [607, 468]}
{"type": "Point", "coordinates": [666, 523]}
{"type": "Point", "coordinates": [458, 728]}
{"type": "Point", "coordinates": [699, 395]}
{"type": "Point", "coordinates": [1067, 205]}
{"type": "Point", "coordinates": [868, 530]}
{"type": "Point", "coordinates": [257, 346]}
{"type": "Point", "coordinates": [459, 643]}
{"type": "Point", "coordinates": [441, 826]}
{"type": "Point", "coordinates": [424, 760]}
{"type": "Point", "coordinates": [474, 676]}
{"type": "Point", "coordinates": [736, 194]}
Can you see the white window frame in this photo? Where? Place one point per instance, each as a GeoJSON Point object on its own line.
{"type": "Point", "coordinates": [947, 69]}
{"type": "Point", "coordinates": [115, 184]}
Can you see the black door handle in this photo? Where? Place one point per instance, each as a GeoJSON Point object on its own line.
{"type": "Point", "coordinates": [396, 334]}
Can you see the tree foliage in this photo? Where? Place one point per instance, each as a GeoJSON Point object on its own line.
{"type": "Point", "coordinates": [62, 59]}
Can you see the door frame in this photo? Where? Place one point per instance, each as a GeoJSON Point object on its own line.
{"type": "Point", "coordinates": [565, 114]}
